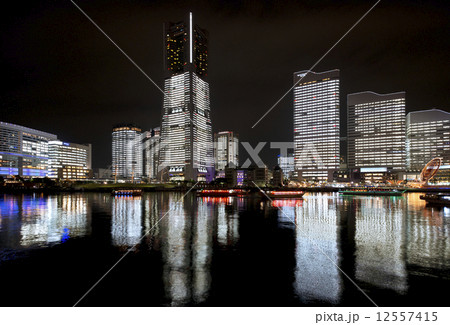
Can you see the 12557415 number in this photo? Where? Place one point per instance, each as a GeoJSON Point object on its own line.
{"type": "Point", "coordinates": [406, 316]}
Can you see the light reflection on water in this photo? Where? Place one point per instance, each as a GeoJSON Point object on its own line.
{"type": "Point", "coordinates": [126, 223]}
{"type": "Point", "coordinates": [383, 239]}
{"type": "Point", "coordinates": [428, 234]}
{"type": "Point", "coordinates": [38, 221]}
{"type": "Point", "coordinates": [380, 242]}
{"type": "Point", "coordinates": [316, 250]}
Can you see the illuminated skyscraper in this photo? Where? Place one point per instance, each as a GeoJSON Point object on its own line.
{"type": "Point", "coordinates": [286, 164]}
{"type": "Point", "coordinates": [427, 137]}
{"type": "Point", "coordinates": [127, 151]}
{"type": "Point", "coordinates": [69, 160]}
{"type": "Point", "coordinates": [316, 124]}
{"type": "Point", "coordinates": [151, 146]}
{"type": "Point", "coordinates": [23, 151]}
{"type": "Point", "coordinates": [376, 131]}
{"type": "Point", "coordinates": [226, 149]}
{"type": "Point", "coordinates": [186, 135]}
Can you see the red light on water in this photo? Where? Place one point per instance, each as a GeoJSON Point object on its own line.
{"type": "Point", "coordinates": [287, 203]}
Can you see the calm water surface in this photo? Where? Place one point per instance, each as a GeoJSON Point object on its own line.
{"type": "Point", "coordinates": [222, 252]}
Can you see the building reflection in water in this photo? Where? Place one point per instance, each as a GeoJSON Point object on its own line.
{"type": "Point", "coordinates": [186, 235]}
{"type": "Point", "coordinates": [126, 223]}
{"type": "Point", "coordinates": [316, 277]}
{"type": "Point", "coordinates": [151, 220]}
{"type": "Point", "coordinates": [385, 238]}
{"type": "Point", "coordinates": [428, 229]}
{"type": "Point", "coordinates": [10, 222]}
{"type": "Point", "coordinates": [38, 220]}
{"type": "Point", "coordinates": [202, 251]}
{"type": "Point", "coordinates": [379, 241]}
{"type": "Point", "coordinates": [227, 219]}
{"type": "Point", "coordinates": [176, 252]}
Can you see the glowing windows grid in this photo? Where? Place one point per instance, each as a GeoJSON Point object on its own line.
{"type": "Point", "coordinates": [316, 124]}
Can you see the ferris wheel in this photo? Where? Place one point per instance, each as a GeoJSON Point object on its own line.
{"type": "Point", "coordinates": [430, 169]}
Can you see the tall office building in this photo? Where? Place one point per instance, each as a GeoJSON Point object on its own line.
{"type": "Point", "coordinates": [286, 164]}
{"type": "Point", "coordinates": [376, 131]}
{"type": "Point", "coordinates": [127, 151]}
{"type": "Point", "coordinates": [69, 160]}
{"type": "Point", "coordinates": [150, 146]}
{"type": "Point", "coordinates": [23, 151]}
{"type": "Point", "coordinates": [427, 137]}
{"type": "Point", "coordinates": [186, 134]}
{"type": "Point", "coordinates": [226, 150]}
{"type": "Point", "coordinates": [316, 124]}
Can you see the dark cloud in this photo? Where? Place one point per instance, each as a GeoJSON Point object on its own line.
{"type": "Point", "coordinates": [63, 76]}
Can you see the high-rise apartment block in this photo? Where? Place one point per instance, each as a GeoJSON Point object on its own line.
{"type": "Point", "coordinates": [316, 124]}
{"type": "Point", "coordinates": [186, 134]}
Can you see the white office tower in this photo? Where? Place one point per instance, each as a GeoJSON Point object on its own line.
{"type": "Point", "coordinates": [226, 150]}
{"type": "Point", "coordinates": [186, 134]}
{"type": "Point", "coordinates": [151, 146]}
{"type": "Point", "coordinates": [286, 164]}
{"type": "Point", "coordinates": [427, 137]}
{"type": "Point", "coordinates": [69, 160]}
{"type": "Point", "coordinates": [316, 125]}
{"type": "Point", "coordinates": [376, 131]}
{"type": "Point", "coordinates": [126, 152]}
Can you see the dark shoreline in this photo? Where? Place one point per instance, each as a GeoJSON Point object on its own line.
{"type": "Point", "coordinates": [109, 189]}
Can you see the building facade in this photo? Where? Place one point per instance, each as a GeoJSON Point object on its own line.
{"type": "Point", "coordinates": [427, 137]}
{"type": "Point", "coordinates": [286, 164]}
{"type": "Point", "coordinates": [376, 131]}
{"type": "Point", "coordinates": [127, 152]}
{"type": "Point", "coordinates": [316, 124]}
{"type": "Point", "coordinates": [23, 151]}
{"type": "Point", "coordinates": [277, 177]}
{"type": "Point", "coordinates": [69, 161]}
{"type": "Point", "coordinates": [226, 150]}
{"type": "Point", "coordinates": [151, 145]}
{"type": "Point", "coordinates": [186, 133]}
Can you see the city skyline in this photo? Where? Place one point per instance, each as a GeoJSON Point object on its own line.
{"type": "Point", "coordinates": [84, 98]}
{"type": "Point", "coordinates": [194, 150]}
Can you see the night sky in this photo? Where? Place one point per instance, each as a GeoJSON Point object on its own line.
{"type": "Point", "coordinates": [61, 75]}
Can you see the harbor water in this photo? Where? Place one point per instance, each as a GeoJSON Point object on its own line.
{"type": "Point", "coordinates": [323, 250]}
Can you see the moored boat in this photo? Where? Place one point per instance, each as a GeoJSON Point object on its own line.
{"type": "Point", "coordinates": [222, 192]}
{"type": "Point", "coordinates": [280, 194]}
{"type": "Point", "coordinates": [442, 199]}
{"type": "Point", "coordinates": [373, 191]}
{"type": "Point", "coordinates": [216, 193]}
{"type": "Point", "coordinates": [127, 192]}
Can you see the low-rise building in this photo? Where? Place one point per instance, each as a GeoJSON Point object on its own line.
{"type": "Point", "coordinates": [23, 151]}
{"type": "Point", "coordinates": [69, 161]}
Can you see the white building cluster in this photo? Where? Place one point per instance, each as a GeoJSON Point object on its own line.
{"type": "Point", "coordinates": [379, 142]}
{"type": "Point", "coordinates": [28, 153]}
